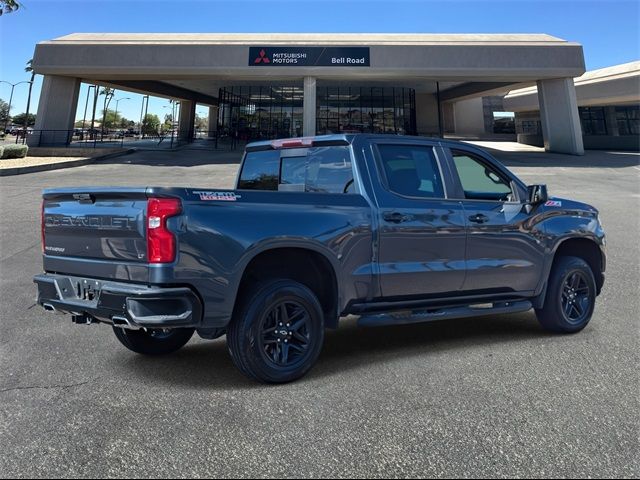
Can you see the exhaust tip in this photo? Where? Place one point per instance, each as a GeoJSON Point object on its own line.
{"type": "Point", "coordinates": [123, 322]}
{"type": "Point", "coordinates": [48, 307]}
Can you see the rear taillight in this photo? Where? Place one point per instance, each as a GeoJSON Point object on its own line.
{"type": "Point", "coordinates": [42, 225]}
{"type": "Point", "coordinates": [161, 242]}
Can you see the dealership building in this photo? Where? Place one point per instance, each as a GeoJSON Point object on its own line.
{"type": "Point", "coordinates": [608, 107]}
{"type": "Point", "coordinates": [282, 85]}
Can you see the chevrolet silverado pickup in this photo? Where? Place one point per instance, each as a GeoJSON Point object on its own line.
{"type": "Point", "coordinates": [392, 229]}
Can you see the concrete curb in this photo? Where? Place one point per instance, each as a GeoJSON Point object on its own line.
{"type": "Point", "coordinates": [5, 172]}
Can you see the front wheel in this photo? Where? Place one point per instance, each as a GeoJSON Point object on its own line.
{"type": "Point", "coordinates": [277, 333]}
{"type": "Point", "coordinates": [571, 296]}
{"type": "Point", "coordinates": [154, 341]}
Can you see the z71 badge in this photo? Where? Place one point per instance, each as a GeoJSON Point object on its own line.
{"type": "Point", "coordinates": [218, 196]}
{"type": "Point", "coordinates": [553, 203]}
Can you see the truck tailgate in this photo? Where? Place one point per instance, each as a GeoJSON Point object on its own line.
{"type": "Point", "coordinates": [95, 224]}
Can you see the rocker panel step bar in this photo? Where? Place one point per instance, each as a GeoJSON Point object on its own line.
{"type": "Point", "coordinates": [430, 315]}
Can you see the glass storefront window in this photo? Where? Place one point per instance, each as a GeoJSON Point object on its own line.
{"type": "Point", "coordinates": [628, 118]}
{"type": "Point", "coordinates": [592, 120]}
{"type": "Point", "coordinates": [267, 112]}
{"type": "Point", "coordinates": [365, 109]}
{"type": "Point", "coordinates": [260, 112]}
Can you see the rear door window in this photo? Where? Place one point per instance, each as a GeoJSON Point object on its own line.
{"type": "Point", "coordinates": [411, 170]}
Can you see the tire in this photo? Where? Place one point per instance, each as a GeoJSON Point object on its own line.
{"type": "Point", "coordinates": [260, 347]}
{"type": "Point", "coordinates": [571, 296]}
{"type": "Point", "coordinates": [154, 342]}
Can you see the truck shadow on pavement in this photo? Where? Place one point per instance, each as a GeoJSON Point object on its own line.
{"type": "Point", "coordinates": [207, 365]}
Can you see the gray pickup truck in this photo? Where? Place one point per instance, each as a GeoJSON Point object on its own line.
{"type": "Point", "coordinates": [392, 229]}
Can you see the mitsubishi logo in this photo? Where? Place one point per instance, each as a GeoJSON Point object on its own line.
{"type": "Point", "coordinates": [262, 58]}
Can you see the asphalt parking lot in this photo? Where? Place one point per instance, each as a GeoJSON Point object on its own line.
{"type": "Point", "coordinates": [488, 397]}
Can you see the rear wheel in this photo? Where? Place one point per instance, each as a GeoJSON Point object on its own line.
{"type": "Point", "coordinates": [277, 333]}
{"type": "Point", "coordinates": [571, 296]}
{"type": "Point", "coordinates": [154, 341]}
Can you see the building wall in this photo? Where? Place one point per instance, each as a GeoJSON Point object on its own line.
{"type": "Point", "coordinates": [426, 114]}
{"type": "Point", "coordinates": [491, 104]}
{"type": "Point", "coordinates": [449, 117]}
{"type": "Point", "coordinates": [601, 127]}
{"type": "Point", "coordinates": [469, 117]}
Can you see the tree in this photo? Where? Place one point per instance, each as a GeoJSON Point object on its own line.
{"type": "Point", "coordinates": [21, 119]}
{"type": "Point", "coordinates": [202, 123]}
{"type": "Point", "coordinates": [8, 6]}
{"type": "Point", "coordinates": [108, 95]}
{"type": "Point", "coordinates": [4, 112]}
{"type": "Point", "coordinates": [168, 122]}
{"type": "Point", "coordinates": [150, 124]}
{"type": "Point", "coordinates": [110, 119]}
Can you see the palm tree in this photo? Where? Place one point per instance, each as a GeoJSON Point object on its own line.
{"type": "Point", "coordinates": [108, 95]}
{"type": "Point", "coordinates": [29, 69]}
{"type": "Point", "coordinates": [8, 6]}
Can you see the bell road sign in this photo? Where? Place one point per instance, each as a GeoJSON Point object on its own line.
{"type": "Point", "coordinates": [309, 56]}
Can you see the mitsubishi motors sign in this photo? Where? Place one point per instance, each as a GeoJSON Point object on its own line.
{"type": "Point", "coordinates": [309, 56]}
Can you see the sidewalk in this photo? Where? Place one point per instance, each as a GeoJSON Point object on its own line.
{"type": "Point", "coordinates": [517, 154]}
{"type": "Point", "coordinates": [19, 166]}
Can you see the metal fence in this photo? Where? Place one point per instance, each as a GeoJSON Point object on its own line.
{"type": "Point", "coordinates": [95, 139]}
{"type": "Point", "coordinates": [78, 138]}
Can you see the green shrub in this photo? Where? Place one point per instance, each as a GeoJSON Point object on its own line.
{"type": "Point", "coordinates": [1, 150]}
{"type": "Point", "coordinates": [15, 151]}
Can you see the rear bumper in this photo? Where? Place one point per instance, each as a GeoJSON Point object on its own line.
{"type": "Point", "coordinates": [122, 304]}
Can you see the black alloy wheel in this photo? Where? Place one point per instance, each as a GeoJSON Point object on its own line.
{"type": "Point", "coordinates": [285, 333]}
{"type": "Point", "coordinates": [154, 341]}
{"type": "Point", "coordinates": [570, 297]}
{"type": "Point", "coordinates": [576, 297]}
{"type": "Point", "coordinates": [277, 331]}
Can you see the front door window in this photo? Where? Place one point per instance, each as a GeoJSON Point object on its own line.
{"type": "Point", "coordinates": [479, 180]}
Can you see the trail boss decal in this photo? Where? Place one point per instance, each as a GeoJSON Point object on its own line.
{"type": "Point", "coordinates": [218, 196]}
{"type": "Point", "coordinates": [553, 203]}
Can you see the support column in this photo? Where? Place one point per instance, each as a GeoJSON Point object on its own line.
{"type": "Point", "coordinates": [56, 111]}
{"type": "Point", "coordinates": [559, 116]}
{"type": "Point", "coordinates": [187, 120]}
{"type": "Point", "coordinates": [309, 107]}
{"type": "Point", "coordinates": [213, 121]}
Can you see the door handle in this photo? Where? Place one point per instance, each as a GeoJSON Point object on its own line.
{"type": "Point", "coordinates": [395, 217]}
{"type": "Point", "coordinates": [479, 218]}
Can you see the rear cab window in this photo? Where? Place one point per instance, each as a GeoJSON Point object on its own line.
{"type": "Point", "coordinates": [260, 171]}
{"type": "Point", "coordinates": [317, 169]}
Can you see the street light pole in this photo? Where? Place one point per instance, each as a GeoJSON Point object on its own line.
{"type": "Point", "coordinates": [116, 117]}
{"type": "Point", "coordinates": [13, 85]}
{"type": "Point", "coordinates": [124, 98]}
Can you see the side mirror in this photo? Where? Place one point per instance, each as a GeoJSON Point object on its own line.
{"type": "Point", "coordinates": [537, 194]}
